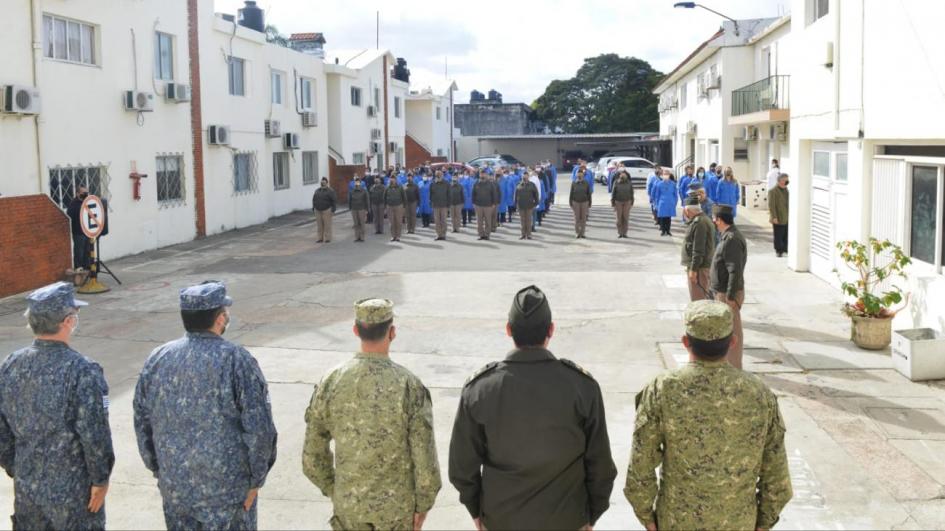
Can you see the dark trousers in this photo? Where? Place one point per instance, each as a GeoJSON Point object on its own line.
{"type": "Point", "coordinates": [29, 515]}
{"type": "Point", "coordinates": [468, 216]}
{"type": "Point", "coordinates": [501, 217]}
{"type": "Point", "coordinates": [81, 251]}
{"type": "Point", "coordinates": [780, 238]}
{"type": "Point", "coordinates": [426, 219]}
{"type": "Point", "coordinates": [226, 518]}
{"type": "Point", "coordinates": [665, 224]}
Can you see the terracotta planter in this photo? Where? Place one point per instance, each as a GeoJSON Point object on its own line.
{"type": "Point", "coordinates": [871, 333]}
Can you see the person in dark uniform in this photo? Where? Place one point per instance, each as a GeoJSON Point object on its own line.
{"type": "Point", "coordinates": [529, 448]}
{"type": "Point", "coordinates": [54, 437]}
{"type": "Point", "coordinates": [377, 192]}
{"type": "Point", "coordinates": [413, 199]}
{"type": "Point", "coordinates": [727, 274]}
{"type": "Point", "coordinates": [80, 242]}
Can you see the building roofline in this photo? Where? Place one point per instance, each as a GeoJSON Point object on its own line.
{"type": "Point", "coordinates": [564, 136]}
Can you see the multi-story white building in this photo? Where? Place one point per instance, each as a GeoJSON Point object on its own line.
{"type": "Point", "coordinates": [867, 139]}
{"type": "Point", "coordinates": [430, 120]}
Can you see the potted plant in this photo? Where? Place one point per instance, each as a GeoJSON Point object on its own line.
{"type": "Point", "coordinates": [871, 313]}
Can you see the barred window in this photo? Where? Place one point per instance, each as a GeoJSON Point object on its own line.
{"type": "Point", "coordinates": [280, 170]}
{"type": "Point", "coordinates": [245, 179]}
{"type": "Point", "coordinates": [309, 167]}
{"type": "Point", "coordinates": [170, 179]}
{"type": "Point", "coordinates": [357, 158]}
{"type": "Point", "coordinates": [64, 182]}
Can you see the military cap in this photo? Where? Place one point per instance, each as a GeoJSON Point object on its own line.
{"type": "Point", "coordinates": [373, 311]}
{"type": "Point", "coordinates": [208, 295]}
{"type": "Point", "coordinates": [722, 209]}
{"type": "Point", "coordinates": [708, 320]}
{"type": "Point", "coordinates": [54, 299]}
{"type": "Point", "coordinates": [692, 200]}
{"type": "Point", "coordinates": [695, 186]}
{"type": "Point", "coordinates": [530, 307]}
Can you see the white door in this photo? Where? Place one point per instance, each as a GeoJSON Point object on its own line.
{"type": "Point", "coordinates": [828, 190]}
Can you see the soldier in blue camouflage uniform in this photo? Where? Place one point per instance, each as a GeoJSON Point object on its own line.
{"type": "Point", "coordinates": [54, 435]}
{"type": "Point", "coordinates": [203, 420]}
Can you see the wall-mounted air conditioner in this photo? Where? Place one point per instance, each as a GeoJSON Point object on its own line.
{"type": "Point", "coordinates": [309, 119]}
{"type": "Point", "coordinates": [19, 99]}
{"type": "Point", "coordinates": [273, 128]}
{"type": "Point", "coordinates": [138, 101]}
{"type": "Point", "coordinates": [371, 111]}
{"type": "Point", "coordinates": [375, 134]}
{"type": "Point", "coordinates": [218, 135]}
{"type": "Point", "coordinates": [291, 140]}
{"type": "Point", "coordinates": [177, 92]}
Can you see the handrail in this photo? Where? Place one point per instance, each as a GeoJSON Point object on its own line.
{"type": "Point", "coordinates": [682, 165]}
{"type": "Point", "coordinates": [768, 94]}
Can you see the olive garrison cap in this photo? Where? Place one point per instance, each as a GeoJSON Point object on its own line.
{"type": "Point", "coordinates": [530, 307]}
{"type": "Point", "coordinates": [722, 209]}
{"type": "Point", "coordinates": [373, 311]}
{"type": "Point", "coordinates": [708, 320]}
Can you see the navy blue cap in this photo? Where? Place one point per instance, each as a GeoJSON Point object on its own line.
{"type": "Point", "coordinates": [695, 185]}
{"type": "Point", "coordinates": [55, 299]}
{"type": "Point", "coordinates": [207, 295]}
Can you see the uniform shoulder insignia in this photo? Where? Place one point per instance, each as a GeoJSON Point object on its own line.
{"type": "Point", "coordinates": [478, 374]}
{"type": "Point", "coordinates": [571, 365]}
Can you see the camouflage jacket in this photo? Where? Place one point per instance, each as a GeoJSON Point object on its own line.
{"type": "Point", "coordinates": [203, 421]}
{"type": "Point", "coordinates": [54, 434]}
{"type": "Point", "coordinates": [381, 418]}
{"type": "Point", "coordinates": [719, 437]}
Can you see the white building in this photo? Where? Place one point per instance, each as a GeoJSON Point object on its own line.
{"type": "Point", "coordinates": [360, 123]}
{"type": "Point", "coordinates": [430, 119]}
{"type": "Point", "coordinates": [867, 139]}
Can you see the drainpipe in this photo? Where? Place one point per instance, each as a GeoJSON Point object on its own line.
{"type": "Point", "coordinates": [450, 119]}
{"type": "Point", "coordinates": [387, 118]}
{"type": "Point", "coordinates": [836, 67]}
{"type": "Point", "coordinates": [36, 16]}
{"type": "Point", "coordinates": [196, 118]}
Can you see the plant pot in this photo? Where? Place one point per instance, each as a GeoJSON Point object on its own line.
{"type": "Point", "coordinates": [871, 333]}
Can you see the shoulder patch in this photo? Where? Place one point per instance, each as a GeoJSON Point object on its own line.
{"type": "Point", "coordinates": [478, 374]}
{"type": "Point", "coordinates": [571, 365]}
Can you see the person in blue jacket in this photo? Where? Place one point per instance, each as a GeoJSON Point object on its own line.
{"type": "Point", "coordinates": [543, 192]}
{"type": "Point", "coordinates": [426, 209]}
{"type": "Point", "coordinates": [503, 206]}
{"type": "Point", "coordinates": [467, 182]}
{"type": "Point", "coordinates": [665, 196]}
{"type": "Point", "coordinates": [684, 184]}
{"type": "Point", "coordinates": [511, 182]}
{"type": "Point", "coordinates": [553, 185]}
{"type": "Point", "coordinates": [728, 191]}
{"type": "Point", "coordinates": [711, 180]}
{"type": "Point", "coordinates": [402, 178]}
{"type": "Point", "coordinates": [651, 181]}
{"type": "Point", "coordinates": [588, 174]}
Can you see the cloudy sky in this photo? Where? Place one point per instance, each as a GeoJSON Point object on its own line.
{"type": "Point", "coordinates": [514, 46]}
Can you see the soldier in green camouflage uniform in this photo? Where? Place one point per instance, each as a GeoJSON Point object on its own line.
{"type": "Point", "coordinates": [384, 473]}
{"type": "Point", "coordinates": [716, 432]}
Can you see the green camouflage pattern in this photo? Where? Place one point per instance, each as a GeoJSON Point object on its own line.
{"type": "Point", "coordinates": [373, 311]}
{"type": "Point", "coordinates": [708, 320]}
{"type": "Point", "coordinates": [380, 416]}
{"type": "Point", "coordinates": [718, 435]}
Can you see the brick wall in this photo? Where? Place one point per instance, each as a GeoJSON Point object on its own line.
{"type": "Point", "coordinates": [415, 153]}
{"type": "Point", "coordinates": [35, 243]}
{"type": "Point", "coordinates": [340, 175]}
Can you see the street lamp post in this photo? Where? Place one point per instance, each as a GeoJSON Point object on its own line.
{"type": "Point", "coordinates": [693, 5]}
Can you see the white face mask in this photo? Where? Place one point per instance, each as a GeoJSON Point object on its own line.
{"type": "Point", "coordinates": [75, 326]}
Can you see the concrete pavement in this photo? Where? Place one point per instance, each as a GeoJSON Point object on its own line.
{"type": "Point", "coordinates": [865, 444]}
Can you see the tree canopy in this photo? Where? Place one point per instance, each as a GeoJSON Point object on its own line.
{"type": "Point", "coordinates": [608, 94]}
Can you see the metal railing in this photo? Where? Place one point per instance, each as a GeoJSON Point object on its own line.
{"type": "Point", "coordinates": [769, 93]}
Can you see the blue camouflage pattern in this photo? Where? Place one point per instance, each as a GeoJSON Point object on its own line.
{"type": "Point", "coordinates": [204, 422]}
{"type": "Point", "coordinates": [229, 518]}
{"type": "Point", "coordinates": [54, 299]}
{"type": "Point", "coordinates": [54, 435]}
{"type": "Point", "coordinates": [205, 296]}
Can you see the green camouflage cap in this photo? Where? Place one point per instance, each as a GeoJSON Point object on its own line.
{"type": "Point", "coordinates": [708, 320]}
{"type": "Point", "coordinates": [692, 200]}
{"type": "Point", "coordinates": [373, 311]}
{"type": "Point", "coordinates": [722, 209]}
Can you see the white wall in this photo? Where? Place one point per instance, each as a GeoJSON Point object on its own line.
{"type": "Point", "coordinates": [20, 174]}
{"type": "Point", "coordinates": [397, 129]}
{"type": "Point", "coordinates": [350, 129]}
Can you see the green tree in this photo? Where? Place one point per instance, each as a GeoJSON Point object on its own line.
{"type": "Point", "coordinates": [608, 94]}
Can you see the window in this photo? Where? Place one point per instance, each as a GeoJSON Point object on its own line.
{"type": "Point", "coordinates": [68, 40]}
{"type": "Point", "coordinates": [237, 67]}
{"type": "Point", "coordinates": [163, 56]}
{"type": "Point", "coordinates": [822, 164]}
{"type": "Point", "coordinates": [682, 95]}
{"type": "Point", "coordinates": [244, 172]}
{"type": "Point", "coordinates": [377, 98]}
{"type": "Point", "coordinates": [280, 170]}
{"type": "Point", "coordinates": [356, 96]}
{"type": "Point", "coordinates": [926, 202]}
{"type": "Point", "coordinates": [170, 180]}
{"type": "Point", "coordinates": [276, 82]}
{"type": "Point", "coordinates": [64, 181]}
{"type": "Point", "coordinates": [380, 161]}
{"type": "Point", "coordinates": [396, 107]}
{"type": "Point", "coordinates": [309, 167]}
{"type": "Point", "coordinates": [439, 152]}
{"type": "Point", "coordinates": [438, 112]}
{"type": "Point", "coordinates": [357, 158]}
{"type": "Point", "coordinates": [305, 93]}
{"type": "Point", "coordinates": [817, 9]}
{"type": "Point", "coordinates": [842, 167]}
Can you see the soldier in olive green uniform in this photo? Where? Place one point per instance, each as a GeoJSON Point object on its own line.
{"type": "Point", "coordinates": [395, 198]}
{"type": "Point", "coordinates": [484, 197]}
{"type": "Point", "coordinates": [324, 203]}
{"type": "Point", "coordinates": [440, 199]}
{"type": "Point", "coordinates": [727, 275]}
{"type": "Point", "coordinates": [377, 205]}
{"type": "Point", "coordinates": [359, 202]}
{"type": "Point", "coordinates": [526, 199]}
{"type": "Point", "coordinates": [413, 199]}
{"type": "Point", "coordinates": [384, 472]}
{"type": "Point", "coordinates": [778, 212]}
{"type": "Point", "coordinates": [697, 249]}
{"type": "Point", "coordinates": [457, 199]}
{"type": "Point", "coordinates": [622, 199]}
{"type": "Point", "coordinates": [580, 201]}
{"type": "Point", "coordinates": [716, 434]}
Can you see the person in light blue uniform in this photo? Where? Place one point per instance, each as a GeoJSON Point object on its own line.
{"type": "Point", "coordinates": [508, 194]}
{"type": "Point", "coordinates": [651, 181]}
{"type": "Point", "coordinates": [588, 174]}
{"type": "Point", "coordinates": [712, 181]}
{"type": "Point", "coordinates": [665, 195]}
{"type": "Point", "coordinates": [553, 189]}
{"type": "Point", "coordinates": [728, 190]}
{"type": "Point", "coordinates": [684, 184]}
{"type": "Point", "coordinates": [402, 178]}
{"type": "Point", "coordinates": [54, 437]}
{"type": "Point", "coordinates": [467, 182]}
{"type": "Point", "coordinates": [543, 204]}
{"type": "Point", "coordinates": [203, 420]}
{"type": "Point", "coordinates": [425, 208]}
{"type": "Point", "coordinates": [503, 207]}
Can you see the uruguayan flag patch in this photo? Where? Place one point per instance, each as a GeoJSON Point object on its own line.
{"type": "Point", "coordinates": [105, 401]}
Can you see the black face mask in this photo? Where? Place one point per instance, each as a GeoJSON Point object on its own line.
{"type": "Point", "coordinates": [83, 195]}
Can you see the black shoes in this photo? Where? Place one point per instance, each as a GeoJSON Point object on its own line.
{"type": "Point", "coordinates": [319, 241]}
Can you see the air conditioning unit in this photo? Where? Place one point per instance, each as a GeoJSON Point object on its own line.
{"type": "Point", "coordinates": [393, 146]}
{"type": "Point", "coordinates": [375, 134]}
{"type": "Point", "coordinates": [139, 101]}
{"type": "Point", "coordinates": [218, 135]}
{"type": "Point", "coordinates": [690, 128]}
{"type": "Point", "coordinates": [177, 92]}
{"type": "Point", "coordinates": [715, 82]}
{"type": "Point", "coordinates": [375, 148]}
{"type": "Point", "coordinates": [273, 128]}
{"type": "Point", "coordinates": [371, 111]}
{"type": "Point", "coordinates": [672, 130]}
{"type": "Point", "coordinates": [309, 119]}
{"type": "Point", "coordinates": [750, 133]}
{"type": "Point", "coordinates": [290, 140]}
{"type": "Point", "coordinates": [778, 132]}
{"type": "Point", "coordinates": [19, 99]}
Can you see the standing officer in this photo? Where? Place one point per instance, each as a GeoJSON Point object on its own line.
{"type": "Point", "coordinates": [494, 218]}
{"type": "Point", "coordinates": [384, 472]}
{"type": "Point", "coordinates": [440, 200]}
{"type": "Point", "coordinates": [715, 432]}
{"type": "Point", "coordinates": [526, 199]}
{"type": "Point", "coordinates": [580, 201]}
{"type": "Point", "coordinates": [484, 196]}
{"type": "Point", "coordinates": [395, 198]}
{"type": "Point", "coordinates": [622, 200]}
{"type": "Point", "coordinates": [377, 192]}
{"type": "Point", "coordinates": [80, 242]}
{"type": "Point", "coordinates": [707, 204]}
{"type": "Point", "coordinates": [54, 437]}
{"type": "Point", "coordinates": [412, 192]}
{"type": "Point", "coordinates": [324, 203]}
{"type": "Point", "coordinates": [359, 202]}
{"type": "Point", "coordinates": [697, 249]}
{"type": "Point", "coordinates": [728, 274]}
{"type": "Point", "coordinates": [529, 448]}
{"type": "Point", "coordinates": [457, 199]}
{"type": "Point", "coordinates": [778, 213]}
{"type": "Point", "coordinates": [203, 420]}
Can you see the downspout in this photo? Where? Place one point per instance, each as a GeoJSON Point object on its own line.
{"type": "Point", "coordinates": [196, 118]}
{"type": "Point", "coordinates": [386, 118]}
{"type": "Point", "coordinates": [36, 17]}
{"type": "Point", "coordinates": [450, 118]}
{"type": "Point", "coordinates": [836, 68]}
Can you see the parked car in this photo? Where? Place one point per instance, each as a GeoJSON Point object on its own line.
{"type": "Point", "coordinates": [638, 168]}
{"type": "Point", "coordinates": [451, 166]}
{"type": "Point", "coordinates": [495, 161]}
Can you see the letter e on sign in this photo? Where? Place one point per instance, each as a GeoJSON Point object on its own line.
{"type": "Point", "coordinates": [92, 216]}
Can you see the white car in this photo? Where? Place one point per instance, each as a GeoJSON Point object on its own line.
{"type": "Point", "coordinates": [638, 168]}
